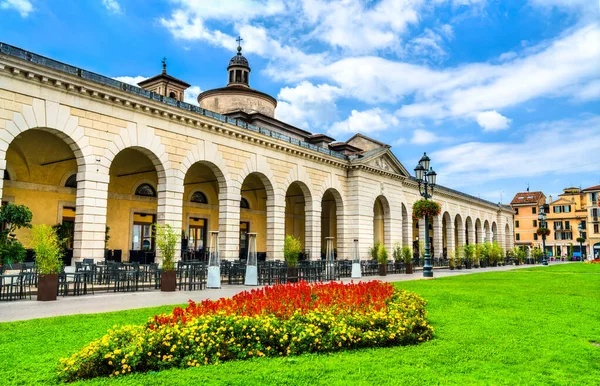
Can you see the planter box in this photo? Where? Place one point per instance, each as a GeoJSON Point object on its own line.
{"type": "Point", "coordinates": [292, 274]}
{"type": "Point", "coordinates": [47, 287]}
{"type": "Point", "coordinates": [168, 281]}
{"type": "Point", "coordinates": [409, 269]}
{"type": "Point", "coordinates": [382, 269]}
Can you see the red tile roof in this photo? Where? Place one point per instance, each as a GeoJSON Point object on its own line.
{"type": "Point", "coordinates": [591, 188]}
{"type": "Point", "coordinates": [527, 198]}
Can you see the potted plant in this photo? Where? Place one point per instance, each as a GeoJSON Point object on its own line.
{"type": "Point", "coordinates": [469, 255]}
{"type": "Point", "coordinates": [537, 255]}
{"type": "Point", "coordinates": [292, 247]}
{"type": "Point", "coordinates": [458, 258]}
{"type": "Point", "coordinates": [13, 217]}
{"type": "Point", "coordinates": [48, 259]}
{"type": "Point", "coordinates": [407, 258]}
{"type": "Point", "coordinates": [495, 253]}
{"type": "Point", "coordinates": [451, 260]}
{"type": "Point", "coordinates": [166, 242]}
{"type": "Point", "coordinates": [382, 258]}
{"type": "Point", "coordinates": [478, 255]}
{"type": "Point", "coordinates": [397, 255]}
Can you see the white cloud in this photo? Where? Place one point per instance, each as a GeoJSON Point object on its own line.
{"type": "Point", "coordinates": [368, 121]}
{"type": "Point", "coordinates": [492, 121]}
{"type": "Point", "coordinates": [112, 6]}
{"type": "Point", "coordinates": [24, 7]}
{"type": "Point", "coordinates": [308, 106]}
{"type": "Point", "coordinates": [588, 91]}
{"type": "Point", "coordinates": [560, 147]}
{"type": "Point", "coordinates": [191, 95]}
{"type": "Point", "coordinates": [424, 137]}
{"type": "Point", "coordinates": [132, 80]}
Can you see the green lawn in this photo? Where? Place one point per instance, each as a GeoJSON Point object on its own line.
{"type": "Point", "coordinates": [529, 326]}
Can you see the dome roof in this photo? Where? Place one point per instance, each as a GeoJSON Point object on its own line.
{"type": "Point", "coordinates": [239, 59]}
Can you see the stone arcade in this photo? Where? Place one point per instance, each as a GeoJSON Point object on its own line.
{"type": "Point", "coordinates": [81, 148]}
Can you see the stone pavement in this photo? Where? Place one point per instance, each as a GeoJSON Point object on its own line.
{"type": "Point", "coordinates": [108, 301]}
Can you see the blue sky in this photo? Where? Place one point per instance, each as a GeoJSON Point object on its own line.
{"type": "Point", "coordinates": [500, 94]}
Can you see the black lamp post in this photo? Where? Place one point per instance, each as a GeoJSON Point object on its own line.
{"type": "Point", "coordinates": [542, 221]}
{"type": "Point", "coordinates": [426, 180]}
{"type": "Point", "coordinates": [580, 229]}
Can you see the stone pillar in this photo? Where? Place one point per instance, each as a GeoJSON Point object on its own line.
{"type": "Point", "coordinates": [438, 239]}
{"type": "Point", "coordinates": [275, 226]}
{"type": "Point", "coordinates": [229, 225]}
{"type": "Point", "coordinates": [421, 231]}
{"type": "Point", "coordinates": [312, 231]}
{"type": "Point", "coordinates": [450, 238]}
{"type": "Point", "coordinates": [488, 235]}
{"type": "Point", "coordinates": [90, 213]}
{"type": "Point", "coordinates": [170, 205]}
{"type": "Point", "coordinates": [461, 237]}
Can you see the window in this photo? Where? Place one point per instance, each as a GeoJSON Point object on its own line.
{"type": "Point", "coordinates": [567, 225]}
{"type": "Point", "coordinates": [535, 223]}
{"type": "Point", "coordinates": [244, 204]}
{"type": "Point", "coordinates": [567, 208]}
{"type": "Point", "coordinates": [231, 76]}
{"type": "Point", "coordinates": [595, 228]}
{"type": "Point", "coordinates": [199, 198]}
{"type": "Point", "coordinates": [518, 237]}
{"type": "Point", "coordinates": [516, 224]}
{"type": "Point", "coordinates": [172, 95]}
{"type": "Point", "coordinates": [516, 210]}
{"type": "Point", "coordinates": [145, 190]}
{"type": "Point", "coordinates": [71, 181]}
{"type": "Point", "coordinates": [594, 212]}
{"type": "Point", "coordinates": [533, 210]}
{"type": "Point", "coordinates": [535, 236]}
{"type": "Point", "coordinates": [6, 175]}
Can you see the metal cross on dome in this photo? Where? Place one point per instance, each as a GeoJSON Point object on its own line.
{"type": "Point", "coordinates": [239, 41]}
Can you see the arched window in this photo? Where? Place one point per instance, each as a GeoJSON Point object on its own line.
{"type": "Point", "coordinates": [199, 198]}
{"type": "Point", "coordinates": [172, 95]}
{"type": "Point", "coordinates": [145, 190]}
{"type": "Point", "coordinates": [244, 204]}
{"type": "Point", "coordinates": [71, 181]}
{"type": "Point", "coordinates": [6, 175]}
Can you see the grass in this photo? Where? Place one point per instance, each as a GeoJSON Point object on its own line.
{"type": "Point", "coordinates": [529, 326]}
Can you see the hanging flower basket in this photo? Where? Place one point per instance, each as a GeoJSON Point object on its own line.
{"type": "Point", "coordinates": [543, 232]}
{"type": "Point", "coordinates": [425, 207]}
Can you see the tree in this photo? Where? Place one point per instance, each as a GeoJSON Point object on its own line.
{"type": "Point", "coordinates": [13, 217]}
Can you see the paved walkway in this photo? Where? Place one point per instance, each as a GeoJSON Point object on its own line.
{"type": "Point", "coordinates": [107, 302]}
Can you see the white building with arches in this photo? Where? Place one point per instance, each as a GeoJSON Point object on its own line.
{"type": "Point", "coordinates": [80, 148]}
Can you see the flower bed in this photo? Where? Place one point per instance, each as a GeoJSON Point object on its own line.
{"type": "Point", "coordinates": [281, 320]}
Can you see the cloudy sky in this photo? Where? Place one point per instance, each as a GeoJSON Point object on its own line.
{"type": "Point", "coordinates": [501, 94]}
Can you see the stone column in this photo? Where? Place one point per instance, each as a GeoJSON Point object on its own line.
{"type": "Point", "coordinates": [312, 231]}
{"type": "Point", "coordinates": [275, 226]}
{"type": "Point", "coordinates": [229, 225]}
{"type": "Point", "coordinates": [90, 213]}
{"type": "Point", "coordinates": [488, 235]}
{"type": "Point", "coordinates": [438, 239]}
{"type": "Point", "coordinates": [450, 238]}
{"type": "Point", "coordinates": [461, 236]}
{"type": "Point", "coordinates": [170, 205]}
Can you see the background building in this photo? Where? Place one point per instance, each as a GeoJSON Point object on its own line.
{"type": "Point", "coordinates": [526, 206]}
{"type": "Point", "coordinates": [87, 151]}
{"type": "Point", "coordinates": [593, 223]}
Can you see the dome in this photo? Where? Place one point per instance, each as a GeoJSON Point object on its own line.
{"type": "Point", "coordinates": [239, 59]}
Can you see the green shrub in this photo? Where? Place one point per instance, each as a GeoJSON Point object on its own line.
{"type": "Point", "coordinates": [47, 248]}
{"type": "Point", "coordinates": [166, 242]}
{"type": "Point", "coordinates": [469, 252]}
{"type": "Point", "coordinates": [382, 255]}
{"type": "Point", "coordinates": [292, 247]}
{"type": "Point", "coordinates": [13, 217]}
{"type": "Point", "coordinates": [407, 254]}
{"type": "Point", "coordinates": [374, 251]}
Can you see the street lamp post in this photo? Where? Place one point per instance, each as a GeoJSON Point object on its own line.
{"type": "Point", "coordinates": [580, 229]}
{"type": "Point", "coordinates": [426, 177]}
{"type": "Point", "coordinates": [542, 221]}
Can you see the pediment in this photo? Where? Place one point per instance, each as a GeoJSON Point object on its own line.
{"type": "Point", "coordinates": [385, 161]}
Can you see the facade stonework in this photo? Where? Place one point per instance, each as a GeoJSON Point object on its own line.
{"type": "Point", "coordinates": [122, 144]}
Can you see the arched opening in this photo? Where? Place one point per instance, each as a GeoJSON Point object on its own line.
{"type": "Point", "coordinates": [39, 160]}
{"type": "Point", "coordinates": [331, 207]}
{"type": "Point", "coordinates": [447, 237]}
{"type": "Point", "coordinates": [487, 232]}
{"type": "Point", "coordinates": [201, 189]}
{"type": "Point", "coordinates": [381, 211]}
{"type": "Point", "coordinates": [405, 225]}
{"type": "Point", "coordinates": [469, 237]}
{"type": "Point", "coordinates": [459, 232]}
{"type": "Point", "coordinates": [256, 190]}
{"type": "Point", "coordinates": [132, 206]}
{"type": "Point", "coordinates": [296, 199]}
{"type": "Point", "coordinates": [478, 232]}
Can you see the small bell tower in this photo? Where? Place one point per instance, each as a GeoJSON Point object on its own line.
{"type": "Point", "coordinates": [238, 69]}
{"type": "Point", "coordinates": [166, 85]}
